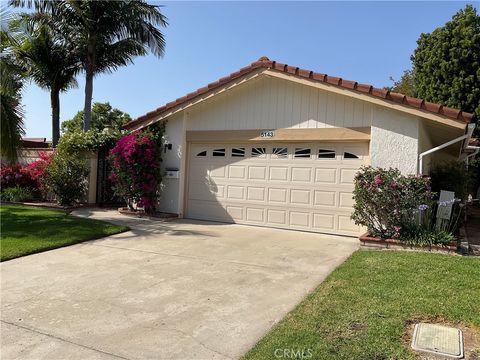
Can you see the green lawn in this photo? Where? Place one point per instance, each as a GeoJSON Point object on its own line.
{"type": "Point", "coordinates": [26, 230]}
{"type": "Point", "coordinates": [360, 311]}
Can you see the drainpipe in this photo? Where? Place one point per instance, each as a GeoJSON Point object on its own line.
{"type": "Point", "coordinates": [467, 136]}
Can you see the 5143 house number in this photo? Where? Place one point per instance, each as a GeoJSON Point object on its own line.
{"type": "Point", "coordinates": [267, 134]}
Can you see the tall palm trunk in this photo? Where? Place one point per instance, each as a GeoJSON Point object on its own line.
{"type": "Point", "coordinates": [90, 69]}
{"type": "Point", "coordinates": [55, 100]}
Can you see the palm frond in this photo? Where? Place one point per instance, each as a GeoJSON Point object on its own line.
{"type": "Point", "coordinates": [12, 126]}
{"type": "Point", "coordinates": [111, 56]}
{"type": "Point", "coordinates": [50, 62]}
{"type": "Point", "coordinates": [11, 84]}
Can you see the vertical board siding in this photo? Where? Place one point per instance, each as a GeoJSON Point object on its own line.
{"type": "Point", "coordinates": [270, 103]}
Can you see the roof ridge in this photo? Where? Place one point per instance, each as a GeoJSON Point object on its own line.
{"type": "Point", "coordinates": [265, 62]}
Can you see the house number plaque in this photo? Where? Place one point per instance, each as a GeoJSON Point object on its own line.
{"type": "Point", "coordinates": [267, 134]}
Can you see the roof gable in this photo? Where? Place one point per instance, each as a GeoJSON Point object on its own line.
{"type": "Point", "coordinates": [265, 64]}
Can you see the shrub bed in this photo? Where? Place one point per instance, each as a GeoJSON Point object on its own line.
{"type": "Point", "coordinates": [24, 182]}
{"type": "Point", "coordinates": [394, 206]}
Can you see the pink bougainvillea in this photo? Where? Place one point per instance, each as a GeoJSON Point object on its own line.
{"type": "Point", "coordinates": [26, 176]}
{"type": "Point", "coordinates": [136, 175]}
{"type": "Point", "coordinates": [37, 168]}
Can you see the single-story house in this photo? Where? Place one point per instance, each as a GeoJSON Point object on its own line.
{"type": "Point", "coordinates": [278, 146]}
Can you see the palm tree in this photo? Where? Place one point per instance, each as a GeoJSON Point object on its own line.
{"type": "Point", "coordinates": [49, 62]}
{"type": "Point", "coordinates": [113, 32]}
{"type": "Point", "coordinates": [108, 34]}
{"type": "Point", "coordinates": [11, 84]}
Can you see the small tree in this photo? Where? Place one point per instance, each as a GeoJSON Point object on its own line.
{"type": "Point", "coordinates": [103, 116]}
{"type": "Point", "coordinates": [136, 172]}
{"type": "Point", "coordinates": [405, 85]}
{"type": "Point", "coordinates": [66, 177]}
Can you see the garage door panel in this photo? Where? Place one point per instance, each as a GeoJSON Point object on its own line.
{"type": "Point", "coordinates": [324, 198]}
{"type": "Point", "coordinates": [277, 217]}
{"type": "Point", "coordinates": [301, 174]}
{"type": "Point", "coordinates": [346, 199]}
{"type": "Point", "coordinates": [300, 197]}
{"type": "Point", "coordinates": [237, 172]}
{"type": "Point", "coordinates": [277, 195]}
{"type": "Point", "coordinates": [306, 187]}
{"type": "Point", "coordinates": [256, 193]}
{"type": "Point", "coordinates": [257, 172]}
{"type": "Point", "coordinates": [256, 215]}
{"type": "Point", "coordinates": [236, 212]}
{"type": "Point", "coordinates": [278, 173]}
{"type": "Point", "coordinates": [218, 172]}
{"type": "Point", "coordinates": [205, 210]}
{"type": "Point", "coordinates": [207, 191]}
{"type": "Point", "coordinates": [235, 192]}
{"type": "Point", "coordinates": [347, 175]}
{"type": "Point", "coordinates": [299, 219]}
{"type": "Point", "coordinates": [325, 176]}
{"type": "Point", "coordinates": [345, 224]}
{"type": "Point", "coordinates": [199, 172]}
{"type": "Point", "coordinates": [324, 222]}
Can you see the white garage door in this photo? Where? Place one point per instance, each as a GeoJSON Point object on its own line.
{"type": "Point", "coordinates": [294, 186]}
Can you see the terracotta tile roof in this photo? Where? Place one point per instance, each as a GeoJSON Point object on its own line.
{"type": "Point", "coordinates": [266, 63]}
{"type": "Point", "coordinates": [35, 143]}
{"type": "Point", "coordinates": [474, 142]}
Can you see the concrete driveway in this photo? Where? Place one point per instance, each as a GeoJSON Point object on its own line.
{"type": "Point", "coordinates": [165, 290]}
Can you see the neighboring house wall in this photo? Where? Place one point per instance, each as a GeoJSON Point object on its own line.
{"type": "Point", "coordinates": [27, 156]}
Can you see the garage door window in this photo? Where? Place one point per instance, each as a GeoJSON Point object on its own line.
{"type": "Point", "coordinates": [279, 153]}
{"type": "Point", "coordinates": [302, 153]}
{"type": "Point", "coordinates": [202, 153]}
{"type": "Point", "coordinates": [349, 155]}
{"type": "Point", "coordinates": [238, 152]}
{"type": "Point", "coordinates": [219, 152]}
{"type": "Point", "coordinates": [326, 154]}
{"type": "Point", "coordinates": [259, 152]}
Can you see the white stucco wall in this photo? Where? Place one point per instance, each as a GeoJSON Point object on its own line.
{"type": "Point", "coordinates": [394, 140]}
{"type": "Point", "coordinates": [172, 158]}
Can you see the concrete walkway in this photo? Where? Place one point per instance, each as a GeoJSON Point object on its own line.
{"type": "Point", "coordinates": [164, 290]}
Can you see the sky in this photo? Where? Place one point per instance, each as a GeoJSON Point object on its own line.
{"type": "Point", "coordinates": [368, 42]}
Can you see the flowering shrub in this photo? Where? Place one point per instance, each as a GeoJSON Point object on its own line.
{"type": "Point", "coordinates": [36, 170]}
{"type": "Point", "coordinates": [135, 161]}
{"type": "Point", "coordinates": [16, 176]}
{"type": "Point", "coordinates": [386, 200]}
{"type": "Point", "coordinates": [30, 176]}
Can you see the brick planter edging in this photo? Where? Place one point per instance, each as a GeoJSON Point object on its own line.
{"type": "Point", "coordinates": [140, 214]}
{"type": "Point", "coordinates": [367, 241]}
